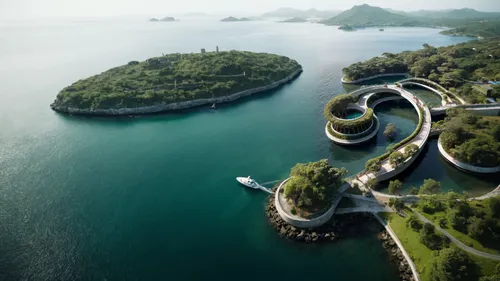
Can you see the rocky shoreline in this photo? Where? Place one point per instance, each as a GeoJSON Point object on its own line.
{"type": "Point", "coordinates": [349, 225]}
{"type": "Point", "coordinates": [396, 256]}
{"type": "Point", "coordinates": [159, 108]}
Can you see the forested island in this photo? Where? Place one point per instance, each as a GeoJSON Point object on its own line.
{"type": "Point", "coordinates": [232, 19]}
{"type": "Point", "coordinates": [465, 69]}
{"type": "Point", "coordinates": [462, 22]}
{"type": "Point", "coordinates": [165, 19]}
{"type": "Point", "coordinates": [176, 81]}
{"type": "Point", "coordinates": [470, 138]}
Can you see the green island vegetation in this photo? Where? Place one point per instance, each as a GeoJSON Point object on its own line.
{"type": "Point", "coordinates": [470, 138]}
{"type": "Point", "coordinates": [465, 69]}
{"type": "Point", "coordinates": [312, 187]}
{"type": "Point", "coordinates": [475, 223]}
{"type": "Point", "coordinates": [295, 20]}
{"type": "Point", "coordinates": [336, 111]}
{"type": "Point", "coordinates": [462, 22]}
{"type": "Point", "coordinates": [395, 186]}
{"type": "Point", "coordinates": [176, 78]}
{"type": "Point", "coordinates": [347, 27]}
{"type": "Point", "coordinates": [232, 19]}
{"type": "Point", "coordinates": [475, 28]}
{"type": "Point", "coordinates": [390, 131]}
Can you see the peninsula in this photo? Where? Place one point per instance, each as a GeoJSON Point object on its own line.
{"type": "Point", "coordinates": [470, 69]}
{"type": "Point", "coordinates": [176, 81]}
{"type": "Point", "coordinates": [463, 22]}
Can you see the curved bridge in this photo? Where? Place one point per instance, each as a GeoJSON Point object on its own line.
{"type": "Point", "coordinates": [481, 109]}
{"type": "Point", "coordinates": [435, 87]}
{"type": "Point", "coordinates": [364, 94]}
{"type": "Point", "coordinates": [444, 99]}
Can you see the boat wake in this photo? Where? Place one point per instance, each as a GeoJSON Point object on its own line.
{"type": "Point", "coordinates": [266, 189]}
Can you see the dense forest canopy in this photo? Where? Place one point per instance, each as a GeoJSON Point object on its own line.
{"type": "Point", "coordinates": [313, 185]}
{"type": "Point", "coordinates": [472, 139]}
{"type": "Point", "coordinates": [463, 67]}
{"type": "Point", "coordinates": [176, 78]}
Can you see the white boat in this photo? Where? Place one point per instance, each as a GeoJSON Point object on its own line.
{"type": "Point", "coordinates": [248, 182]}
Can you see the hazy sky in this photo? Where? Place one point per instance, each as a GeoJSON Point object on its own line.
{"type": "Point", "coordinates": [70, 8]}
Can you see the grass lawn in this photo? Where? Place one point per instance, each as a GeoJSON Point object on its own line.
{"type": "Point", "coordinates": [422, 256]}
{"type": "Point", "coordinates": [464, 238]}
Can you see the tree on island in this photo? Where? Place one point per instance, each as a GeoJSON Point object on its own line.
{"type": "Point", "coordinates": [397, 158]}
{"type": "Point", "coordinates": [395, 186]}
{"type": "Point", "coordinates": [494, 206]}
{"type": "Point", "coordinates": [372, 183]}
{"type": "Point", "coordinates": [373, 165]}
{"type": "Point", "coordinates": [312, 185]}
{"type": "Point", "coordinates": [390, 131]}
{"type": "Point", "coordinates": [452, 264]}
{"type": "Point", "coordinates": [413, 190]}
{"type": "Point", "coordinates": [411, 150]}
{"type": "Point", "coordinates": [430, 186]}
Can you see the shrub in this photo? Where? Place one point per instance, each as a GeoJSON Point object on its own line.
{"type": "Point", "coordinates": [372, 183]}
{"type": "Point", "coordinates": [430, 186]}
{"type": "Point", "coordinates": [411, 150]}
{"type": "Point", "coordinates": [431, 205]}
{"type": "Point", "coordinates": [373, 165]}
{"type": "Point", "coordinates": [443, 223]}
{"type": "Point", "coordinates": [494, 206]}
{"type": "Point", "coordinates": [453, 264]}
{"type": "Point", "coordinates": [457, 220]}
{"type": "Point", "coordinates": [413, 190]}
{"type": "Point", "coordinates": [430, 238]}
{"type": "Point", "coordinates": [390, 131]}
{"type": "Point", "coordinates": [397, 158]}
{"type": "Point", "coordinates": [395, 186]}
{"type": "Point", "coordinates": [414, 223]}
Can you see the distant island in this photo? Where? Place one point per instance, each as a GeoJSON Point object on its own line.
{"type": "Point", "coordinates": [232, 19]}
{"type": "Point", "coordinates": [366, 16]}
{"type": "Point", "coordinates": [166, 19]}
{"type": "Point", "coordinates": [463, 22]}
{"type": "Point", "coordinates": [347, 27]}
{"type": "Point", "coordinates": [295, 20]}
{"type": "Point", "coordinates": [176, 81]}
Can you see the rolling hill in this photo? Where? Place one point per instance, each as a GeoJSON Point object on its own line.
{"type": "Point", "coordinates": [366, 15]}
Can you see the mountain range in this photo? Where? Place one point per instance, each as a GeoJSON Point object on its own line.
{"type": "Point", "coordinates": [366, 15]}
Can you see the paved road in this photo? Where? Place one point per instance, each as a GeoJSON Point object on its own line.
{"type": "Point", "coordinates": [457, 242]}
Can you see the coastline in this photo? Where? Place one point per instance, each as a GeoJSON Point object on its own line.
{"type": "Point", "coordinates": [159, 108]}
{"type": "Point", "coordinates": [372, 77]}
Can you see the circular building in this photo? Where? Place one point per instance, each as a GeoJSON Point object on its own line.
{"type": "Point", "coordinates": [349, 123]}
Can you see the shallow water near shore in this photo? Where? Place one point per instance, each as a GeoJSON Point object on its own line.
{"type": "Point", "coordinates": [155, 197]}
